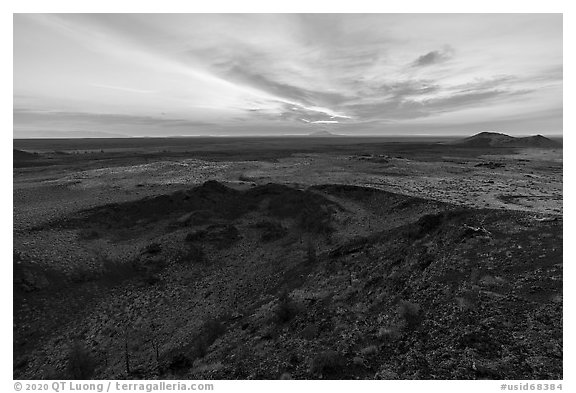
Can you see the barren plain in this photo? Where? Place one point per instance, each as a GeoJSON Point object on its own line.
{"type": "Point", "coordinates": [303, 258]}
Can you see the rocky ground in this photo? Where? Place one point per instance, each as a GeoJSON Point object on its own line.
{"type": "Point", "coordinates": [278, 270]}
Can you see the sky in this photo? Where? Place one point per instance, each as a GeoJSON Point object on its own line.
{"type": "Point", "coordinates": [91, 75]}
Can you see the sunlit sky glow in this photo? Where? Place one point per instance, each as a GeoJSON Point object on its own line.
{"type": "Point", "coordinates": [273, 74]}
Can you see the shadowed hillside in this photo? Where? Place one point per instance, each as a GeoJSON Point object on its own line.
{"type": "Point", "coordinates": [333, 281]}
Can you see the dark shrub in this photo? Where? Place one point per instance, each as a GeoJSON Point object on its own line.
{"type": "Point", "coordinates": [151, 279]}
{"type": "Point", "coordinates": [109, 272]}
{"type": "Point", "coordinates": [80, 364]}
{"type": "Point", "coordinates": [88, 234]}
{"type": "Point", "coordinates": [425, 260]}
{"type": "Point", "coordinates": [209, 332]}
{"type": "Point", "coordinates": [81, 274]}
{"type": "Point", "coordinates": [201, 217]}
{"type": "Point", "coordinates": [388, 334]}
{"type": "Point", "coordinates": [410, 313]}
{"type": "Point", "coordinates": [153, 248]}
{"type": "Point", "coordinates": [328, 364]}
{"type": "Point", "coordinates": [432, 222]}
{"type": "Point", "coordinates": [316, 221]}
{"type": "Point", "coordinates": [310, 332]}
{"type": "Point", "coordinates": [427, 224]}
{"type": "Point", "coordinates": [114, 271]}
{"type": "Point", "coordinates": [194, 253]}
{"type": "Point", "coordinates": [271, 230]}
{"type": "Point", "coordinates": [179, 364]}
{"type": "Point", "coordinates": [223, 235]}
{"type": "Point", "coordinates": [195, 236]}
{"type": "Point", "coordinates": [286, 309]}
{"type": "Point", "coordinates": [397, 279]}
{"type": "Point", "coordinates": [311, 256]}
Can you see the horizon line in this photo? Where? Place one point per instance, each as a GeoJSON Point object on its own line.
{"type": "Point", "coordinates": [551, 135]}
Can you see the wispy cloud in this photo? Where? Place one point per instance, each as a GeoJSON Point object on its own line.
{"type": "Point", "coordinates": [66, 122]}
{"type": "Point", "coordinates": [434, 57]}
{"type": "Point", "coordinates": [122, 88]}
{"type": "Point", "coordinates": [334, 70]}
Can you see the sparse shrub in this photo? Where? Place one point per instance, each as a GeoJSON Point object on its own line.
{"type": "Point", "coordinates": [388, 334]}
{"type": "Point", "coordinates": [311, 256]}
{"type": "Point", "coordinates": [369, 350]}
{"type": "Point", "coordinates": [410, 313]}
{"type": "Point", "coordinates": [88, 234]}
{"type": "Point", "coordinates": [397, 279]}
{"type": "Point", "coordinates": [80, 364]}
{"type": "Point", "coordinates": [153, 248]}
{"type": "Point", "coordinates": [385, 373]}
{"type": "Point", "coordinates": [331, 266]}
{"type": "Point", "coordinates": [316, 221]}
{"type": "Point", "coordinates": [328, 363]}
{"type": "Point", "coordinates": [197, 254]}
{"type": "Point", "coordinates": [359, 361]}
{"type": "Point", "coordinates": [224, 235]}
{"type": "Point", "coordinates": [20, 364]}
{"type": "Point", "coordinates": [310, 332]}
{"type": "Point", "coordinates": [271, 230]}
{"type": "Point", "coordinates": [109, 271]}
{"type": "Point", "coordinates": [469, 299]}
{"type": "Point", "coordinates": [83, 273]}
{"type": "Point", "coordinates": [195, 236]}
{"type": "Point", "coordinates": [114, 271]}
{"type": "Point", "coordinates": [294, 359]}
{"type": "Point", "coordinates": [425, 260]}
{"type": "Point", "coordinates": [432, 222]}
{"type": "Point", "coordinates": [201, 217]}
{"type": "Point", "coordinates": [151, 265]}
{"type": "Point", "coordinates": [209, 332]}
{"type": "Point", "coordinates": [424, 226]}
{"type": "Point", "coordinates": [151, 279]}
{"type": "Point", "coordinates": [179, 364]}
{"type": "Point", "coordinates": [429, 222]}
{"type": "Point", "coordinates": [194, 253]}
{"type": "Point", "coordinates": [286, 309]}
{"type": "Point", "coordinates": [213, 329]}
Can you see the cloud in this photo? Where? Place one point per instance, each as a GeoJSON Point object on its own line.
{"type": "Point", "coordinates": [322, 121]}
{"type": "Point", "coordinates": [274, 70]}
{"type": "Point", "coordinates": [32, 121]}
{"type": "Point", "coordinates": [434, 57]}
{"type": "Point", "coordinates": [244, 74]}
{"type": "Point", "coordinates": [407, 106]}
{"type": "Point", "coordinates": [483, 84]}
{"type": "Point", "coordinates": [123, 88]}
{"type": "Point", "coordinates": [289, 112]}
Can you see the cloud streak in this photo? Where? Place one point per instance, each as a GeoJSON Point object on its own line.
{"type": "Point", "coordinates": [230, 71]}
{"type": "Point", "coordinates": [122, 88]}
{"type": "Point", "coordinates": [434, 57]}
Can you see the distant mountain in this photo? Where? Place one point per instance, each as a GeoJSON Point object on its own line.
{"type": "Point", "coordinates": [497, 139]}
{"type": "Point", "coordinates": [322, 133]}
